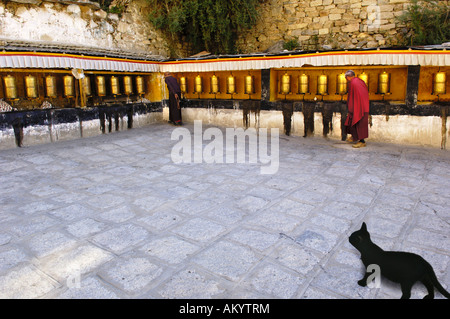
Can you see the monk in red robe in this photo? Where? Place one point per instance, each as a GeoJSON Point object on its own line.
{"type": "Point", "coordinates": [357, 122]}
{"type": "Point", "coordinates": [174, 99]}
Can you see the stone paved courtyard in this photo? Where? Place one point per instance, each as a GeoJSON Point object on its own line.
{"type": "Point", "coordinates": [113, 216]}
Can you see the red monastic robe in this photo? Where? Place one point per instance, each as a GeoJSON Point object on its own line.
{"type": "Point", "coordinates": [357, 122]}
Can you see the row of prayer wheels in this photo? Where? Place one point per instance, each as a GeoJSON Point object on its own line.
{"type": "Point", "coordinates": [100, 81]}
{"type": "Point", "coordinates": [249, 87]}
{"type": "Point", "coordinates": [439, 85]}
{"type": "Point", "coordinates": [322, 83]}
{"type": "Point", "coordinates": [50, 82]}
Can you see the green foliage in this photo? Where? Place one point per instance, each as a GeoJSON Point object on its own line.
{"type": "Point", "coordinates": [428, 21]}
{"type": "Point", "coordinates": [211, 25]}
{"type": "Point", "coordinates": [117, 9]}
{"type": "Point", "coordinates": [291, 45]}
{"type": "Point", "coordinates": [104, 4]}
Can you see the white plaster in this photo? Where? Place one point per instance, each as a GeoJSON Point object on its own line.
{"type": "Point", "coordinates": [398, 129]}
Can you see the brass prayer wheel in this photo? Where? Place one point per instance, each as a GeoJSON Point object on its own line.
{"type": "Point", "coordinates": [231, 85]}
{"type": "Point", "coordinates": [303, 84]}
{"type": "Point", "coordinates": [115, 88]}
{"type": "Point", "coordinates": [68, 86]}
{"type": "Point", "coordinates": [31, 86]}
{"type": "Point", "coordinates": [383, 83]}
{"type": "Point", "coordinates": [140, 85]}
{"type": "Point", "coordinates": [341, 85]}
{"type": "Point", "coordinates": [365, 77]}
{"type": "Point", "coordinates": [322, 84]}
{"type": "Point", "coordinates": [214, 84]}
{"type": "Point", "coordinates": [87, 86]}
{"type": "Point", "coordinates": [249, 87]}
{"type": "Point", "coordinates": [183, 84]}
{"type": "Point", "coordinates": [101, 85]}
{"type": "Point", "coordinates": [198, 84]}
{"type": "Point", "coordinates": [440, 80]}
{"type": "Point", "coordinates": [286, 84]}
{"type": "Point", "coordinates": [127, 83]}
{"type": "Point", "coordinates": [10, 87]}
{"type": "Point", "coordinates": [50, 85]}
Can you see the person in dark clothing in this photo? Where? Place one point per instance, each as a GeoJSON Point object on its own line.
{"type": "Point", "coordinates": [174, 99]}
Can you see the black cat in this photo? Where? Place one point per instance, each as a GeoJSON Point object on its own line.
{"type": "Point", "coordinates": [400, 267]}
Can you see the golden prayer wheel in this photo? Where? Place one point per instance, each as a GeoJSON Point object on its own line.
{"type": "Point", "coordinates": [183, 84]}
{"type": "Point", "coordinates": [10, 87]}
{"type": "Point", "coordinates": [68, 86]}
{"type": "Point", "coordinates": [341, 86]}
{"type": "Point", "coordinates": [286, 84]}
{"type": "Point", "coordinates": [31, 86]}
{"type": "Point", "coordinates": [440, 80]}
{"type": "Point", "coordinates": [101, 85]}
{"type": "Point", "coordinates": [127, 83]}
{"type": "Point", "coordinates": [140, 85]}
{"type": "Point", "coordinates": [115, 88]}
{"type": "Point", "coordinates": [322, 84]}
{"type": "Point", "coordinates": [87, 86]}
{"type": "Point", "coordinates": [303, 84]}
{"type": "Point", "coordinates": [383, 83]}
{"type": "Point", "coordinates": [214, 84]}
{"type": "Point", "coordinates": [249, 87]}
{"type": "Point", "coordinates": [50, 85]}
{"type": "Point", "coordinates": [231, 85]}
{"type": "Point", "coordinates": [365, 77]}
{"type": "Point", "coordinates": [198, 84]}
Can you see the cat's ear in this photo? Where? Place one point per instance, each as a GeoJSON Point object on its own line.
{"type": "Point", "coordinates": [364, 227]}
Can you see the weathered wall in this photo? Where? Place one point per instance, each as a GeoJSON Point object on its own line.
{"type": "Point", "coordinates": [399, 129]}
{"type": "Point", "coordinates": [315, 24]}
{"type": "Point", "coordinates": [327, 24]}
{"type": "Point", "coordinates": [81, 23]}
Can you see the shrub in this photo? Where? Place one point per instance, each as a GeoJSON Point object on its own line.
{"type": "Point", "coordinates": [211, 25]}
{"type": "Point", "coordinates": [428, 22]}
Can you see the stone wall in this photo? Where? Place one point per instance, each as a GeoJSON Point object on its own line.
{"type": "Point", "coordinates": [81, 23]}
{"type": "Point", "coordinates": [315, 24]}
{"type": "Point", "coordinates": [327, 24]}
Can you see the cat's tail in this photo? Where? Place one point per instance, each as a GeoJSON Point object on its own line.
{"type": "Point", "coordinates": [438, 285]}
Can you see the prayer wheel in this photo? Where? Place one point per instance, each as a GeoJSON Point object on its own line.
{"type": "Point", "coordinates": [31, 86]}
{"type": "Point", "coordinates": [231, 85]}
{"type": "Point", "coordinates": [286, 84]}
{"type": "Point", "coordinates": [101, 85]}
{"type": "Point", "coordinates": [439, 83]}
{"type": "Point", "coordinates": [140, 85]}
{"type": "Point", "coordinates": [365, 77]}
{"type": "Point", "coordinates": [183, 84]}
{"type": "Point", "coordinates": [68, 86]}
{"type": "Point", "coordinates": [303, 84]}
{"type": "Point", "coordinates": [214, 84]}
{"type": "Point", "coordinates": [10, 87]}
{"type": "Point", "coordinates": [128, 87]}
{"type": "Point", "coordinates": [249, 87]}
{"type": "Point", "coordinates": [87, 86]}
{"type": "Point", "coordinates": [322, 84]}
{"type": "Point", "coordinates": [198, 84]}
{"type": "Point", "coordinates": [341, 85]}
{"type": "Point", "coordinates": [50, 85]}
{"type": "Point", "coordinates": [115, 88]}
{"type": "Point", "coordinates": [383, 83]}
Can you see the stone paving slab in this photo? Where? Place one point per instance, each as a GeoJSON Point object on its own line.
{"type": "Point", "coordinates": [113, 216]}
